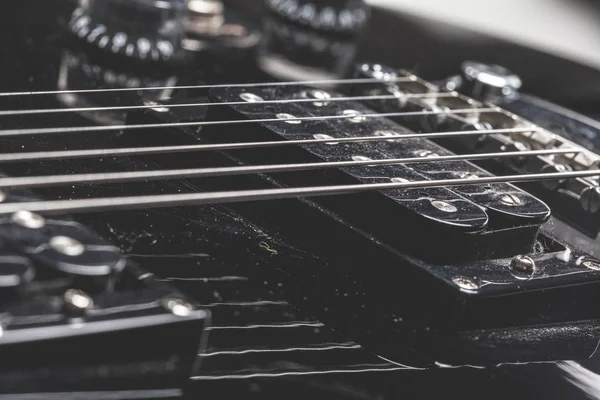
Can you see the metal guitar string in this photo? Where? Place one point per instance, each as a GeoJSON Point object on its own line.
{"type": "Point", "coordinates": [136, 151]}
{"type": "Point", "coordinates": [246, 195]}
{"type": "Point", "coordinates": [198, 87]}
{"type": "Point", "coordinates": [224, 103]}
{"type": "Point", "coordinates": [87, 129]}
{"type": "Point", "coordinates": [122, 177]}
{"type": "Point", "coordinates": [224, 197]}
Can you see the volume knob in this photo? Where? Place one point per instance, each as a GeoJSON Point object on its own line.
{"type": "Point", "coordinates": [145, 29]}
{"type": "Point", "coordinates": [341, 16]}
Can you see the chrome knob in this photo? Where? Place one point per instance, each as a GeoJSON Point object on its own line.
{"type": "Point", "coordinates": [144, 29]}
{"type": "Point", "coordinates": [485, 81]}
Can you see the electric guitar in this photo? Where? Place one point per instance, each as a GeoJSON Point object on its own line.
{"type": "Point", "coordinates": [279, 199]}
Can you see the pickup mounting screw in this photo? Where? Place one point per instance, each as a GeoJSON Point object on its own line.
{"type": "Point", "coordinates": [322, 136]}
{"type": "Point", "coordinates": [465, 283]}
{"type": "Point", "coordinates": [179, 307]}
{"type": "Point", "coordinates": [511, 199]}
{"type": "Point", "coordinates": [444, 206]}
{"type": "Point", "coordinates": [523, 264]}
{"type": "Point", "coordinates": [318, 95]}
{"type": "Point", "coordinates": [553, 184]}
{"type": "Point", "coordinates": [67, 246]}
{"type": "Point", "coordinates": [590, 199]}
{"type": "Point", "coordinates": [399, 180]}
{"type": "Point", "coordinates": [251, 97]}
{"type": "Point", "coordinates": [77, 302]}
{"type": "Point", "coordinates": [354, 116]}
{"type": "Point", "coordinates": [289, 118]}
{"type": "Point", "coordinates": [592, 265]}
{"type": "Point", "coordinates": [28, 219]}
{"type": "Point", "coordinates": [156, 106]}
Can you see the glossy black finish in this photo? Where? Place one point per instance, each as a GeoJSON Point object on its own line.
{"type": "Point", "coordinates": [255, 274]}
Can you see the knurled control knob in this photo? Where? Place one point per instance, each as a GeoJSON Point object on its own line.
{"type": "Point", "coordinates": [340, 16]}
{"type": "Point", "coordinates": [143, 29]}
{"type": "Point", "coordinates": [487, 81]}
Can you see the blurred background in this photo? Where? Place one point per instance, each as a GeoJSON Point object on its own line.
{"type": "Point", "coordinates": [554, 45]}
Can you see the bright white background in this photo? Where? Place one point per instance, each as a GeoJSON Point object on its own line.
{"type": "Point", "coordinates": [562, 27]}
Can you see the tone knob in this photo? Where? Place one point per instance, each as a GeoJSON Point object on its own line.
{"type": "Point", "coordinates": [145, 29]}
{"type": "Point", "coordinates": [485, 81]}
{"type": "Point", "coordinates": [341, 16]}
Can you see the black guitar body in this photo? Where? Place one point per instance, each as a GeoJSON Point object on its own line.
{"type": "Point", "coordinates": [357, 296]}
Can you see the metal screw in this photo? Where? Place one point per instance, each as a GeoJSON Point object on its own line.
{"type": "Point", "coordinates": [425, 153]}
{"type": "Point", "coordinates": [377, 71]}
{"type": "Point", "coordinates": [510, 199]}
{"type": "Point", "coordinates": [67, 246]}
{"type": "Point", "coordinates": [592, 265]}
{"type": "Point", "coordinates": [554, 184]}
{"type": "Point", "coordinates": [523, 264]}
{"type": "Point", "coordinates": [399, 180]}
{"type": "Point", "coordinates": [467, 175]}
{"type": "Point", "coordinates": [251, 97]}
{"type": "Point", "coordinates": [28, 219]}
{"type": "Point", "coordinates": [590, 199]}
{"type": "Point", "coordinates": [179, 307]}
{"type": "Point", "coordinates": [356, 116]}
{"type": "Point", "coordinates": [317, 94]}
{"type": "Point", "coordinates": [77, 302]}
{"type": "Point", "coordinates": [322, 136]}
{"type": "Point", "coordinates": [465, 283]}
{"type": "Point", "coordinates": [387, 134]}
{"type": "Point", "coordinates": [361, 158]}
{"type": "Point", "coordinates": [444, 206]}
{"type": "Point", "coordinates": [289, 118]}
{"type": "Point", "coordinates": [156, 106]}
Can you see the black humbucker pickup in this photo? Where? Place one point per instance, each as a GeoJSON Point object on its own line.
{"type": "Point", "coordinates": [517, 223]}
{"type": "Point", "coordinates": [77, 316]}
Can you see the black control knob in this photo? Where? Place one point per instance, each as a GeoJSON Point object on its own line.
{"type": "Point", "coordinates": [145, 29]}
{"type": "Point", "coordinates": [341, 16]}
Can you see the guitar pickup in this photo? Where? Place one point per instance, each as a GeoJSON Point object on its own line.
{"type": "Point", "coordinates": [569, 199]}
{"type": "Point", "coordinates": [461, 208]}
{"type": "Point", "coordinates": [77, 316]}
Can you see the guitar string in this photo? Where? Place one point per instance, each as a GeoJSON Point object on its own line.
{"type": "Point", "coordinates": [136, 151]}
{"type": "Point", "coordinates": [206, 172]}
{"type": "Point", "coordinates": [88, 129]}
{"type": "Point", "coordinates": [224, 197]}
{"type": "Point", "coordinates": [198, 87]}
{"type": "Point", "coordinates": [18, 112]}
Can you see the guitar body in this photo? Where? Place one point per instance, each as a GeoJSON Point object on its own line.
{"type": "Point", "coordinates": [343, 297]}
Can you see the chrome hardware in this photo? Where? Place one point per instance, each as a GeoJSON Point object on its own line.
{"type": "Point", "coordinates": [590, 199]}
{"type": "Point", "coordinates": [67, 246]}
{"type": "Point", "coordinates": [354, 116]}
{"type": "Point", "coordinates": [466, 284]}
{"type": "Point", "coordinates": [554, 184]}
{"type": "Point", "coordinates": [178, 307]}
{"type": "Point", "coordinates": [28, 220]}
{"type": "Point", "coordinates": [444, 206]}
{"type": "Point", "coordinates": [251, 97]}
{"type": "Point", "coordinates": [76, 303]}
{"type": "Point", "coordinates": [510, 199]}
{"type": "Point", "coordinates": [484, 81]}
{"type": "Point", "coordinates": [523, 264]}
{"type": "Point", "coordinates": [289, 118]}
{"type": "Point", "coordinates": [318, 95]}
{"type": "Point", "coordinates": [322, 136]}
